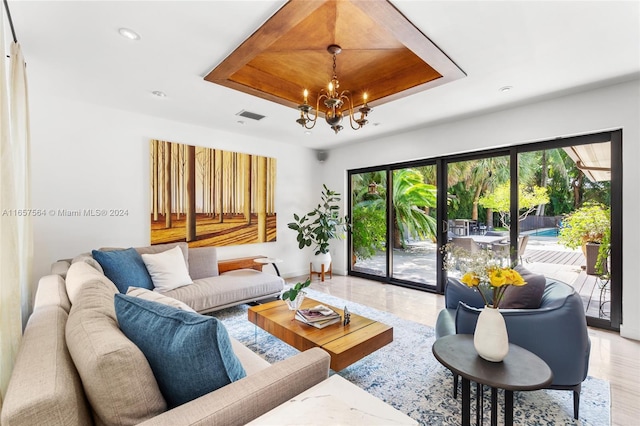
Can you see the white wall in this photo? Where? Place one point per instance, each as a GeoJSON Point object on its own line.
{"type": "Point", "coordinates": [613, 107]}
{"type": "Point", "coordinates": [89, 157]}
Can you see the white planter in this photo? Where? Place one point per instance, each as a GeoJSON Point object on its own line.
{"type": "Point", "coordinates": [490, 338]}
{"type": "Point", "coordinates": [295, 304]}
{"type": "Point", "coordinates": [321, 259]}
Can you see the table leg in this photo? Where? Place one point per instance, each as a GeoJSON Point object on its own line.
{"type": "Point", "coordinates": [479, 401]}
{"type": "Point", "coordinates": [276, 268]}
{"type": "Point", "coordinates": [494, 407]}
{"type": "Point", "coordinates": [508, 408]}
{"type": "Point", "coordinates": [466, 402]}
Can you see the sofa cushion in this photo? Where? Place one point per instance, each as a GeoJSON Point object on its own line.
{"type": "Point", "coordinates": [143, 293]}
{"type": "Point", "coordinates": [80, 273]}
{"type": "Point", "coordinates": [190, 354]}
{"type": "Point", "coordinates": [203, 262]}
{"type": "Point", "coordinates": [528, 296]}
{"type": "Point", "coordinates": [52, 292]}
{"type": "Point", "coordinates": [87, 258]}
{"type": "Point", "coordinates": [228, 289]}
{"type": "Point", "coordinates": [116, 376]}
{"type": "Point", "coordinates": [45, 388]}
{"type": "Point", "coordinates": [124, 268]}
{"type": "Point", "coordinates": [159, 248]}
{"type": "Point", "coordinates": [167, 269]}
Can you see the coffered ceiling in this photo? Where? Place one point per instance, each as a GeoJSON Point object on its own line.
{"type": "Point", "coordinates": [382, 54]}
{"type": "Point", "coordinates": [542, 49]}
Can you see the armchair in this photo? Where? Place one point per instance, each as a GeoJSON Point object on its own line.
{"type": "Point", "coordinates": [556, 331]}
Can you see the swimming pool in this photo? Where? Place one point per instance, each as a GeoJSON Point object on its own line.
{"type": "Point", "coordinates": [547, 232]}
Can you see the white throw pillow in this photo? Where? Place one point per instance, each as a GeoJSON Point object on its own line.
{"type": "Point", "coordinates": [143, 293]}
{"type": "Point", "coordinates": [167, 269]}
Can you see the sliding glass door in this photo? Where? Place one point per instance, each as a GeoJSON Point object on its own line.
{"type": "Point", "coordinates": [393, 237]}
{"type": "Point", "coordinates": [527, 204]}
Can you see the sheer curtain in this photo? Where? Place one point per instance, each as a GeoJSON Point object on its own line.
{"type": "Point", "coordinates": [16, 240]}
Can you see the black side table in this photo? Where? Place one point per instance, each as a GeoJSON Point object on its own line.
{"type": "Point", "coordinates": [521, 370]}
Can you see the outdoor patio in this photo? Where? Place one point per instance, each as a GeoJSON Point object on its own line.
{"type": "Point", "coordinates": [543, 255]}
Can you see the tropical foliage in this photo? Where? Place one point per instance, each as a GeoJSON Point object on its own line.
{"type": "Point", "coordinates": [499, 200]}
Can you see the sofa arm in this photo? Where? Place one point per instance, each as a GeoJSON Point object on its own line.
{"type": "Point", "coordinates": [244, 400]}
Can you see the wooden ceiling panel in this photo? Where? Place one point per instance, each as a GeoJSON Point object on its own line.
{"type": "Point", "coordinates": [383, 54]}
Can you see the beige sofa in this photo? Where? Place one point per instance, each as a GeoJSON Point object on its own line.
{"type": "Point", "coordinates": [217, 284]}
{"type": "Point", "coordinates": [75, 367]}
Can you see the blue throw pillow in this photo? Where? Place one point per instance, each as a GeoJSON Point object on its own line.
{"type": "Point", "coordinates": [190, 354]}
{"type": "Point", "coordinates": [125, 268]}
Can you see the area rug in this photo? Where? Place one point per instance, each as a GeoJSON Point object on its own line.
{"type": "Point", "coordinates": [406, 375]}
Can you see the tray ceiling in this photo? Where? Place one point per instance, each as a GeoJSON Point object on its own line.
{"type": "Point", "coordinates": [383, 54]}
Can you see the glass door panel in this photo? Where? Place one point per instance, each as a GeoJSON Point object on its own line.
{"type": "Point", "coordinates": [569, 234]}
{"type": "Point", "coordinates": [369, 223]}
{"type": "Point", "coordinates": [414, 199]}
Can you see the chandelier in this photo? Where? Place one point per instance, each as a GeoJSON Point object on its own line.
{"type": "Point", "coordinates": [333, 101]}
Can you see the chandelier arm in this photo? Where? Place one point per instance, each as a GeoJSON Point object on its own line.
{"type": "Point", "coordinates": [345, 96]}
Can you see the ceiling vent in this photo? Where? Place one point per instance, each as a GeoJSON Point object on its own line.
{"type": "Point", "coordinates": [251, 115]}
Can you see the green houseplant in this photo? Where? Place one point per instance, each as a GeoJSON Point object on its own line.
{"type": "Point", "coordinates": [590, 225]}
{"type": "Point", "coordinates": [295, 295]}
{"type": "Point", "coordinates": [321, 225]}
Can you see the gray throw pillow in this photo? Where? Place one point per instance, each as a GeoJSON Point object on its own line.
{"type": "Point", "coordinates": [528, 296]}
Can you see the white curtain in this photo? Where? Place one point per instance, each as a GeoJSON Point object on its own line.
{"type": "Point", "coordinates": [16, 240]}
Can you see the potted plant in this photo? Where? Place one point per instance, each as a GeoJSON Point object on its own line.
{"type": "Point", "coordinates": [589, 227]}
{"type": "Point", "coordinates": [294, 296]}
{"type": "Point", "coordinates": [320, 226]}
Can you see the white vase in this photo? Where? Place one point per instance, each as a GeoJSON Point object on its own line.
{"type": "Point", "coordinates": [319, 260]}
{"type": "Point", "coordinates": [490, 338]}
{"type": "Point", "coordinates": [295, 304]}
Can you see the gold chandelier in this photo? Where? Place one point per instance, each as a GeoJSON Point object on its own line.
{"type": "Point", "coordinates": [333, 101]}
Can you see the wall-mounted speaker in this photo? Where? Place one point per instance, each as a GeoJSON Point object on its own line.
{"type": "Point", "coordinates": [322, 156]}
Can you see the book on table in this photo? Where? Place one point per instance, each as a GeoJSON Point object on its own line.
{"type": "Point", "coordinates": [319, 316]}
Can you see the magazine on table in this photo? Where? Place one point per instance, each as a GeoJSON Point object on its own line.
{"type": "Point", "coordinates": [318, 313]}
{"type": "Point", "coordinates": [319, 324]}
{"type": "Point", "coordinates": [319, 316]}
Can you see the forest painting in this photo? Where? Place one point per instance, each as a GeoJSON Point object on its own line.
{"type": "Point", "coordinates": [211, 197]}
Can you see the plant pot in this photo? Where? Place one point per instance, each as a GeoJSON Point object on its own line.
{"type": "Point", "coordinates": [319, 260]}
{"type": "Point", "coordinates": [591, 257]}
{"type": "Point", "coordinates": [490, 337]}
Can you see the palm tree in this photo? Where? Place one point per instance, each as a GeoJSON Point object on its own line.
{"type": "Point", "coordinates": [410, 196]}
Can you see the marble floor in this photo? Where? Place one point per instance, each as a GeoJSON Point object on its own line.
{"type": "Point", "coordinates": [613, 358]}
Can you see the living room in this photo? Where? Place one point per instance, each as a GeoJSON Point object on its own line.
{"type": "Point", "coordinates": [94, 153]}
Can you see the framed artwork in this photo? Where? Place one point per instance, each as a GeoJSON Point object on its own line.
{"type": "Point", "coordinates": [211, 197]}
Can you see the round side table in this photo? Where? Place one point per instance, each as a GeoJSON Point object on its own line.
{"type": "Point", "coordinates": [271, 260]}
{"type": "Point", "coordinates": [521, 370]}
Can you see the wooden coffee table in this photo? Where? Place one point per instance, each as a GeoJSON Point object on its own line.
{"type": "Point", "coordinates": [346, 344]}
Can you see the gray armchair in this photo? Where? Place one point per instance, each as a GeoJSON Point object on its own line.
{"type": "Point", "coordinates": [556, 331]}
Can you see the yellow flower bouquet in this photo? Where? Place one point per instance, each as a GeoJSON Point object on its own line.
{"type": "Point", "coordinates": [497, 278]}
{"type": "Point", "coordinates": [484, 271]}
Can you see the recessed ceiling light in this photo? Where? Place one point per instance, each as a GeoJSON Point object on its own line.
{"type": "Point", "coordinates": [307, 132]}
{"type": "Point", "coordinates": [129, 33]}
{"type": "Point", "coordinates": [159, 94]}
{"type": "Point", "coordinates": [240, 122]}
{"type": "Point", "coordinates": [505, 88]}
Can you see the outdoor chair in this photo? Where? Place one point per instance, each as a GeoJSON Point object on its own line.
{"type": "Point", "coordinates": [522, 245]}
{"type": "Point", "coordinates": [466, 243]}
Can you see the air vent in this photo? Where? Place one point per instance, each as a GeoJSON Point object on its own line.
{"type": "Point", "coordinates": [251, 115]}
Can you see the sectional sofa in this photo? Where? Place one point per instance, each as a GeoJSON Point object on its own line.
{"type": "Point", "coordinates": [75, 365]}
